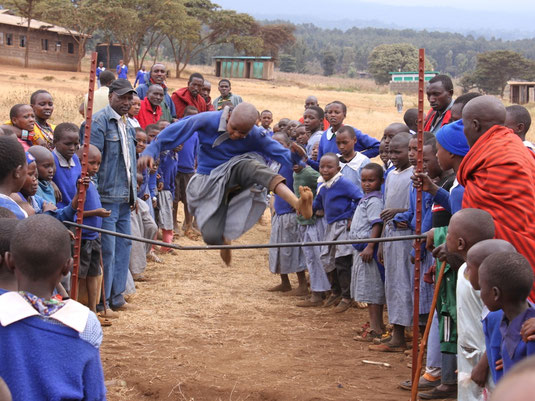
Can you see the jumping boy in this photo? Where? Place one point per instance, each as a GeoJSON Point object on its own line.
{"type": "Point", "coordinates": [68, 167]}
{"type": "Point", "coordinates": [228, 165]}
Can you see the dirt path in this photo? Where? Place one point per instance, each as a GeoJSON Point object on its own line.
{"type": "Point", "coordinates": [207, 332]}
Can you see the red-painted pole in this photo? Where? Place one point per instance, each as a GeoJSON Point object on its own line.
{"type": "Point", "coordinates": [418, 228]}
{"type": "Point", "coordinates": [81, 188]}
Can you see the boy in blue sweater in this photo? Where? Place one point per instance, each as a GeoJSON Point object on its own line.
{"type": "Point", "coordinates": [68, 167]}
{"type": "Point", "coordinates": [33, 322]}
{"type": "Point", "coordinates": [166, 187]}
{"type": "Point", "coordinates": [338, 198]}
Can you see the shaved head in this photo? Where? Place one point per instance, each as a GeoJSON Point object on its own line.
{"type": "Point", "coordinates": [479, 252]}
{"type": "Point", "coordinates": [40, 153]}
{"type": "Point", "coordinates": [480, 114]}
{"type": "Point", "coordinates": [311, 101]}
{"type": "Point", "coordinates": [242, 119]}
{"type": "Point", "coordinates": [468, 227]}
{"type": "Point", "coordinates": [401, 139]}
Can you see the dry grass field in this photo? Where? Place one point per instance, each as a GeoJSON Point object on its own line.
{"type": "Point", "coordinates": [203, 331]}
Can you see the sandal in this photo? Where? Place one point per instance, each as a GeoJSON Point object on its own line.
{"type": "Point", "coordinates": [364, 327]}
{"type": "Point", "coordinates": [386, 348]}
{"type": "Point", "coordinates": [367, 336]}
{"type": "Point", "coordinates": [103, 321]}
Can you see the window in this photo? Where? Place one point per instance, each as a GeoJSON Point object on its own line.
{"type": "Point", "coordinates": [9, 39]}
{"type": "Point", "coordinates": [1, 38]}
{"type": "Point", "coordinates": [44, 44]}
{"type": "Point", "coordinates": [70, 48]}
{"type": "Point", "coordinates": [58, 46]}
{"type": "Point", "coordinates": [22, 41]}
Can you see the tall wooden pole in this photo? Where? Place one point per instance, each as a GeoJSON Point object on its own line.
{"type": "Point", "coordinates": [81, 188]}
{"type": "Point", "coordinates": [418, 228]}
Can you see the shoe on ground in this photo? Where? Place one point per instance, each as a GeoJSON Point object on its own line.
{"type": "Point", "coordinates": [343, 305]}
{"type": "Point", "coordinates": [426, 382]}
{"type": "Point", "coordinates": [126, 307]}
{"type": "Point", "coordinates": [332, 300]}
{"type": "Point", "coordinates": [437, 394]}
{"type": "Point", "coordinates": [308, 303]}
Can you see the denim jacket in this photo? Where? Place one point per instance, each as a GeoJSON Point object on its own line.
{"type": "Point", "coordinates": [112, 180]}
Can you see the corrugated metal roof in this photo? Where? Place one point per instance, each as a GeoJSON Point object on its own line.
{"type": "Point", "coordinates": [244, 57]}
{"type": "Point", "coordinates": [14, 20]}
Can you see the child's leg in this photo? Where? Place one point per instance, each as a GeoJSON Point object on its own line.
{"type": "Point", "coordinates": [167, 236]}
{"type": "Point", "coordinates": [398, 336]}
{"type": "Point", "coordinates": [92, 285]}
{"type": "Point", "coordinates": [283, 286]}
{"type": "Point", "coordinates": [343, 270]}
{"type": "Point", "coordinates": [302, 288]}
{"type": "Point", "coordinates": [175, 212]}
{"type": "Point", "coordinates": [376, 318]}
{"type": "Point", "coordinates": [303, 204]}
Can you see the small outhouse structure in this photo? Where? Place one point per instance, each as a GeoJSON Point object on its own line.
{"type": "Point", "coordinates": [521, 92]}
{"type": "Point", "coordinates": [244, 67]}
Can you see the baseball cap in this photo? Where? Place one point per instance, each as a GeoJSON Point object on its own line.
{"type": "Point", "coordinates": [121, 86]}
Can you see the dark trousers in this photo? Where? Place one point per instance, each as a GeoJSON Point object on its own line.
{"type": "Point", "coordinates": [341, 276]}
{"type": "Point", "coordinates": [243, 176]}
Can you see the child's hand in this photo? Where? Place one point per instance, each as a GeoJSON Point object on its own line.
{"type": "Point", "coordinates": [388, 214]}
{"type": "Point", "coordinates": [499, 364]}
{"type": "Point", "coordinates": [528, 330]}
{"type": "Point", "coordinates": [294, 147]}
{"type": "Point", "coordinates": [154, 203]}
{"type": "Point", "coordinates": [101, 212]}
{"type": "Point", "coordinates": [83, 181]}
{"type": "Point", "coordinates": [48, 207]}
{"type": "Point", "coordinates": [160, 186]}
{"type": "Point", "coordinates": [424, 181]}
{"type": "Point", "coordinates": [145, 197]}
{"type": "Point", "coordinates": [348, 224]}
{"type": "Point", "coordinates": [403, 225]}
{"type": "Point", "coordinates": [440, 252]}
{"type": "Point", "coordinates": [367, 253]}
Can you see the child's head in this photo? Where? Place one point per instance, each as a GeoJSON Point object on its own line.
{"type": "Point", "coordinates": [371, 177]}
{"type": "Point", "coordinates": [392, 130]}
{"type": "Point", "coordinates": [190, 111]}
{"type": "Point", "coordinates": [313, 118]}
{"type": "Point", "coordinates": [266, 118]}
{"type": "Point", "coordinates": [44, 161]}
{"type": "Point", "coordinates": [155, 95]}
{"type": "Point", "coordinates": [290, 129]}
{"type": "Point", "coordinates": [335, 112]}
{"type": "Point", "coordinates": [152, 130]}
{"type": "Point", "coordinates": [505, 279]}
{"type": "Point", "coordinates": [136, 106]}
{"type": "Point", "coordinates": [468, 227]}
{"type": "Point", "coordinates": [39, 254]}
{"type": "Point", "coordinates": [42, 104]}
{"type": "Point", "coordinates": [479, 252]}
{"type": "Point", "coordinates": [283, 139]}
{"type": "Point", "coordinates": [139, 180]}
{"type": "Point", "coordinates": [276, 128]}
{"type": "Point", "coordinates": [162, 124]}
{"type": "Point", "coordinates": [94, 158]}
{"type": "Point", "coordinates": [398, 150]}
{"type": "Point", "coordinates": [301, 135]}
{"type": "Point", "coordinates": [411, 119]}
{"type": "Point", "coordinates": [346, 139]}
{"type": "Point", "coordinates": [451, 145]}
{"type": "Point", "coordinates": [329, 166]}
{"type": "Point", "coordinates": [13, 166]}
{"type": "Point", "coordinates": [315, 149]}
{"type": "Point", "coordinates": [430, 160]}
{"type": "Point", "coordinates": [141, 140]}
{"type": "Point", "coordinates": [66, 140]}
{"type": "Point", "coordinates": [155, 165]}
{"type": "Point", "coordinates": [22, 116]}
{"type": "Point", "coordinates": [458, 105]}
{"type": "Point", "coordinates": [518, 119]}
{"type": "Point", "coordinates": [31, 183]}
{"type": "Point", "coordinates": [383, 152]}
{"type": "Point", "coordinates": [413, 146]}
{"type": "Point", "coordinates": [283, 122]}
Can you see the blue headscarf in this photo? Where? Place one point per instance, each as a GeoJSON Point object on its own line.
{"type": "Point", "coordinates": [451, 137]}
{"type": "Point", "coordinates": [29, 158]}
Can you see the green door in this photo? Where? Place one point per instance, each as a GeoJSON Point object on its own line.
{"type": "Point", "coordinates": [258, 70]}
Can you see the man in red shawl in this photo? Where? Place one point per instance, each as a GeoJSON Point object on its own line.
{"type": "Point", "coordinates": [190, 95]}
{"type": "Point", "coordinates": [498, 174]}
{"type": "Point", "coordinates": [440, 96]}
{"type": "Point", "coordinates": [151, 111]}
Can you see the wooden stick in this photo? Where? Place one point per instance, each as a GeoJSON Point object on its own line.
{"type": "Point", "coordinates": [418, 228]}
{"type": "Point", "coordinates": [423, 343]}
{"type": "Point", "coordinates": [81, 188]}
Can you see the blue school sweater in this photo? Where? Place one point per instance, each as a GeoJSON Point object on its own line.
{"type": "Point", "coordinates": [493, 342]}
{"type": "Point", "coordinates": [42, 361]}
{"type": "Point", "coordinates": [339, 201]}
{"type": "Point", "coordinates": [168, 170]}
{"type": "Point", "coordinates": [188, 155]}
{"type": "Point", "coordinates": [46, 191]}
{"type": "Point", "coordinates": [92, 202]}
{"type": "Point", "coordinates": [211, 126]}
{"type": "Point", "coordinates": [410, 215]}
{"type": "Point", "coordinates": [451, 200]}
{"type": "Point", "coordinates": [65, 178]}
{"type": "Point", "coordinates": [280, 205]}
{"type": "Point", "coordinates": [10, 204]}
{"type": "Point", "coordinates": [367, 145]}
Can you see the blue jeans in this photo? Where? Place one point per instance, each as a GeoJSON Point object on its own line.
{"type": "Point", "coordinates": [116, 252]}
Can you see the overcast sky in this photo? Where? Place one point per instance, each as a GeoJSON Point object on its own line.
{"type": "Point", "coordinates": [511, 6]}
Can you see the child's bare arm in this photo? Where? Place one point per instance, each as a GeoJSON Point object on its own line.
{"type": "Point", "coordinates": [367, 253]}
{"type": "Point", "coordinates": [528, 330]}
{"type": "Point", "coordinates": [480, 372]}
{"type": "Point", "coordinates": [388, 214]}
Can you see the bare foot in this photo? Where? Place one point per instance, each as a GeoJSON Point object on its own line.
{"type": "Point", "coordinates": [281, 287]}
{"type": "Point", "coordinates": [304, 204]}
{"type": "Point", "coordinates": [193, 234]}
{"type": "Point", "coordinates": [300, 291]}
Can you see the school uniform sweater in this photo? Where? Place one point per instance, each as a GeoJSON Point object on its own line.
{"type": "Point", "coordinates": [92, 202]}
{"type": "Point", "coordinates": [46, 191]}
{"type": "Point", "coordinates": [339, 201]}
{"type": "Point", "coordinates": [67, 173]}
{"type": "Point", "coordinates": [215, 148]}
{"type": "Point", "coordinates": [168, 170]}
{"type": "Point", "coordinates": [188, 155]}
{"type": "Point", "coordinates": [280, 205]}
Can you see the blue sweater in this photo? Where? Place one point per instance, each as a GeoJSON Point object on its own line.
{"type": "Point", "coordinates": [65, 178]}
{"type": "Point", "coordinates": [188, 155]}
{"type": "Point", "coordinates": [367, 145]}
{"type": "Point", "coordinates": [410, 215]}
{"type": "Point", "coordinates": [280, 205]}
{"type": "Point", "coordinates": [167, 170]}
{"type": "Point", "coordinates": [92, 202]}
{"type": "Point", "coordinates": [339, 201]}
{"type": "Point", "coordinates": [41, 361]}
{"type": "Point", "coordinates": [452, 200]}
{"type": "Point", "coordinates": [208, 127]}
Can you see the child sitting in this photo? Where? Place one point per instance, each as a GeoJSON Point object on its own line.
{"type": "Point", "coordinates": [13, 172]}
{"type": "Point", "coordinates": [68, 168]}
{"type": "Point", "coordinates": [151, 111]}
{"type": "Point", "coordinates": [45, 172]}
{"type": "Point", "coordinates": [367, 279]}
{"type": "Point", "coordinates": [506, 280]}
{"type": "Point", "coordinates": [43, 107]}
{"type": "Point", "coordinates": [337, 197]}
{"type": "Point", "coordinates": [7, 278]}
{"type": "Point", "coordinates": [351, 162]}
{"type": "Point", "coordinates": [284, 228]}
{"type": "Point", "coordinates": [33, 323]}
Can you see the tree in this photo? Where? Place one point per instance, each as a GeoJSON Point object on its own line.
{"type": "Point", "coordinates": [29, 9]}
{"type": "Point", "coordinates": [495, 68]}
{"type": "Point", "coordinates": [275, 37]}
{"type": "Point", "coordinates": [80, 17]}
{"type": "Point", "coordinates": [287, 63]}
{"type": "Point", "coordinates": [397, 57]}
{"type": "Point", "coordinates": [328, 63]}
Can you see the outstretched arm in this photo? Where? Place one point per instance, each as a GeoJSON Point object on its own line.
{"type": "Point", "coordinates": [366, 144]}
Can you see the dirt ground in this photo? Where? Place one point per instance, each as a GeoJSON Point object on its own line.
{"type": "Point", "coordinates": [204, 331]}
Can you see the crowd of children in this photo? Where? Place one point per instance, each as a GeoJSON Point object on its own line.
{"type": "Point", "coordinates": [481, 326]}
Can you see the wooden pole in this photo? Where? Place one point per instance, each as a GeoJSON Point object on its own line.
{"type": "Point", "coordinates": [81, 188]}
{"type": "Point", "coordinates": [423, 343]}
{"type": "Point", "coordinates": [418, 228]}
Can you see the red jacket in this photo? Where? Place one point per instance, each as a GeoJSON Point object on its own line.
{"type": "Point", "coordinates": [147, 114]}
{"type": "Point", "coordinates": [182, 98]}
{"type": "Point", "coordinates": [431, 116]}
{"type": "Point", "coordinates": [322, 127]}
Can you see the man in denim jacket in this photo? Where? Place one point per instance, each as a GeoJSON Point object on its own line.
{"type": "Point", "coordinates": [116, 183]}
